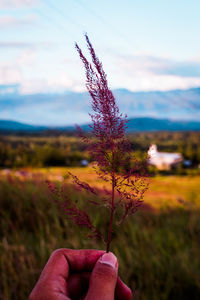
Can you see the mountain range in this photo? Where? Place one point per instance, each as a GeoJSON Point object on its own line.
{"type": "Point", "coordinates": [135, 124]}
{"type": "Point", "coordinates": [179, 108]}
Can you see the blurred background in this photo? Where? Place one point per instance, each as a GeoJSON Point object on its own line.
{"type": "Point", "coordinates": [150, 53]}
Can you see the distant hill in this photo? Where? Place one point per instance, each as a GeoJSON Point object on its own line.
{"type": "Point", "coordinates": [7, 125]}
{"type": "Point", "coordinates": [152, 124]}
{"type": "Point", "coordinates": [134, 124]}
{"type": "Point", "coordinates": [73, 107]}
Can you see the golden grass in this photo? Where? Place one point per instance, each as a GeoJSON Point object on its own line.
{"type": "Point", "coordinates": [164, 191]}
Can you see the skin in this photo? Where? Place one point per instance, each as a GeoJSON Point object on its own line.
{"type": "Point", "coordinates": [80, 274]}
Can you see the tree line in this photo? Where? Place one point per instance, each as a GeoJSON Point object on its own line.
{"type": "Point", "coordinates": [63, 150]}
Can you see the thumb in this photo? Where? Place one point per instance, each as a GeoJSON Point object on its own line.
{"type": "Point", "coordinates": [103, 278]}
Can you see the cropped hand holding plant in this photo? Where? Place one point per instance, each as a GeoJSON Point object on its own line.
{"type": "Point", "coordinates": [80, 274]}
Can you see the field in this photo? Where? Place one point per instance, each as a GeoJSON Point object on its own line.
{"type": "Point", "coordinates": [158, 248]}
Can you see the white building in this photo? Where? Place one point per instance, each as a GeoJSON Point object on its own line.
{"type": "Point", "coordinates": [163, 160]}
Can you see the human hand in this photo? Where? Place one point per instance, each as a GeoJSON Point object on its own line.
{"type": "Point", "coordinates": [80, 275]}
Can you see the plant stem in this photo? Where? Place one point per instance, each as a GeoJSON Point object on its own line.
{"type": "Point", "coordinates": [111, 215]}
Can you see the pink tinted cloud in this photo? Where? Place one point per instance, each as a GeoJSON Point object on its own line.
{"type": "Point", "coordinates": [12, 4]}
{"type": "Point", "coordinates": [11, 21]}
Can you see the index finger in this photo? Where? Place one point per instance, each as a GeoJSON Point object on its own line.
{"type": "Point", "coordinates": [63, 260]}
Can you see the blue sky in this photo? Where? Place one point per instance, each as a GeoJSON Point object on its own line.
{"type": "Point", "coordinates": [144, 45]}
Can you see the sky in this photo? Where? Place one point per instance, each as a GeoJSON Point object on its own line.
{"type": "Point", "coordinates": [144, 45]}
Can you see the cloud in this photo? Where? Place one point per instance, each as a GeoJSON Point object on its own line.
{"type": "Point", "coordinates": [146, 73]}
{"type": "Point", "coordinates": [10, 4]}
{"type": "Point", "coordinates": [27, 57]}
{"type": "Point", "coordinates": [186, 69]}
{"type": "Point", "coordinates": [136, 73]}
{"type": "Point", "coordinates": [53, 82]}
{"type": "Point", "coordinates": [152, 82]}
{"type": "Point", "coordinates": [16, 45]}
{"type": "Point", "coordinates": [16, 74]}
{"type": "Point", "coordinates": [171, 67]}
{"type": "Point", "coordinates": [162, 65]}
{"type": "Point", "coordinates": [10, 21]}
{"type": "Point", "coordinates": [13, 73]}
{"type": "Point", "coordinates": [10, 74]}
{"type": "Point", "coordinates": [44, 45]}
{"type": "Point", "coordinates": [56, 84]}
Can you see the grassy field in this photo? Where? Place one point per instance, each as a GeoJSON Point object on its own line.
{"type": "Point", "coordinates": [165, 191]}
{"type": "Point", "coordinates": [158, 248]}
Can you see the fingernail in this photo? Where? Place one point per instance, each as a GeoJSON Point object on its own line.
{"type": "Point", "coordinates": [109, 259]}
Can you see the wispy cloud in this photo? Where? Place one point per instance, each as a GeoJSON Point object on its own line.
{"type": "Point", "coordinates": [12, 4]}
{"type": "Point", "coordinates": [34, 45]}
{"type": "Point", "coordinates": [10, 74]}
{"type": "Point", "coordinates": [8, 21]}
{"type": "Point", "coordinates": [16, 45]}
{"type": "Point", "coordinates": [26, 57]}
{"type": "Point", "coordinates": [183, 69]}
{"type": "Point", "coordinates": [161, 65]}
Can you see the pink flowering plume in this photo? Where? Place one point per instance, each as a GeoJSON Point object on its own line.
{"type": "Point", "coordinates": [110, 150]}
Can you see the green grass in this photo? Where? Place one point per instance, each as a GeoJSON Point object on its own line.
{"type": "Point", "coordinates": [158, 251]}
